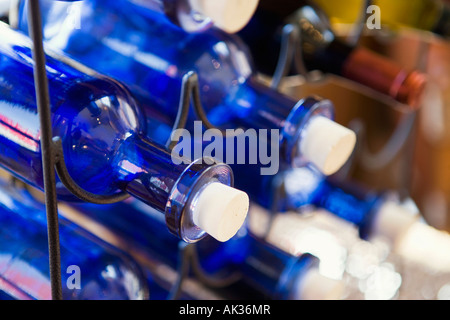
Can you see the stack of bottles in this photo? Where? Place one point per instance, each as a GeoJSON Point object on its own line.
{"type": "Point", "coordinates": [233, 187]}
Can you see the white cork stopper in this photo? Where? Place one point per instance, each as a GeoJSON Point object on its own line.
{"type": "Point", "coordinates": [327, 144]}
{"type": "Point", "coordinates": [315, 286]}
{"type": "Point", "coordinates": [229, 15]}
{"type": "Point", "coordinates": [220, 210]}
{"type": "Point", "coordinates": [393, 221]}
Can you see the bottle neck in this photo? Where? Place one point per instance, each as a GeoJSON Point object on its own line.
{"type": "Point", "coordinates": [350, 203]}
{"type": "Point", "coordinates": [256, 106]}
{"type": "Point", "coordinates": [275, 273]}
{"type": "Point", "coordinates": [168, 183]}
{"type": "Point", "coordinates": [329, 58]}
{"type": "Point", "coordinates": [147, 171]}
{"type": "Point", "coordinates": [305, 187]}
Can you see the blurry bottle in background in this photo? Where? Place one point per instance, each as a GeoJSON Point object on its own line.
{"type": "Point", "coordinates": [318, 48]}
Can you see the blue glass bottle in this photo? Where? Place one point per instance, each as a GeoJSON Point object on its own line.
{"type": "Point", "coordinates": [258, 265]}
{"type": "Point", "coordinates": [374, 213]}
{"type": "Point", "coordinates": [105, 146]}
{"type": "Point", "coordinates": [194, 15]}
{"type": "Point", "coordinates": [151, 57]}
{"type": "Point", "coordinates": [105, 272]}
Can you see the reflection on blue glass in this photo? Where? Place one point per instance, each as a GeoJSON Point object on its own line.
{"type": "Point", "coordinates": [104, 271]}
{"type": "Point", "coordinates": [273, 272]}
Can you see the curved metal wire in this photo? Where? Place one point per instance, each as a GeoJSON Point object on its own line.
{"type": "Point", "coordinates": [209, 280]}
{"type": "Point", "coordinates": [191, 90]}
{"type": "Point", "coordinates": [182, 269]}
{"type": "Point", "coordinates": [73, 187]}
{"type": "Point", "coordinates": [183, 109]}
{"type": "Point", "coordinates": [402, 136]}
{"type": "Point", "coordinates": [375, 161]}
{"type": "Point", "coordinates": [289, 40]}
{"type": "Point", "coordinates": [290, 55]}
{"type": "Point", "coordinates": [278, 191]}
{"type": "Point", "coordinates": [188, 260]}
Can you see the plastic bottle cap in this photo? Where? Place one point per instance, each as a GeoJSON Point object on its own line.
{"type": "Point", "coordinates": [327, 144]}
{"type": "Point", "coordinates": [393, 221]}
{"type": "Point", "coordinates": [315, 286]}
{"type": "Point", "coordinates": [220, 210]}
{"type": "Point", "coordinates": [228, 15]}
